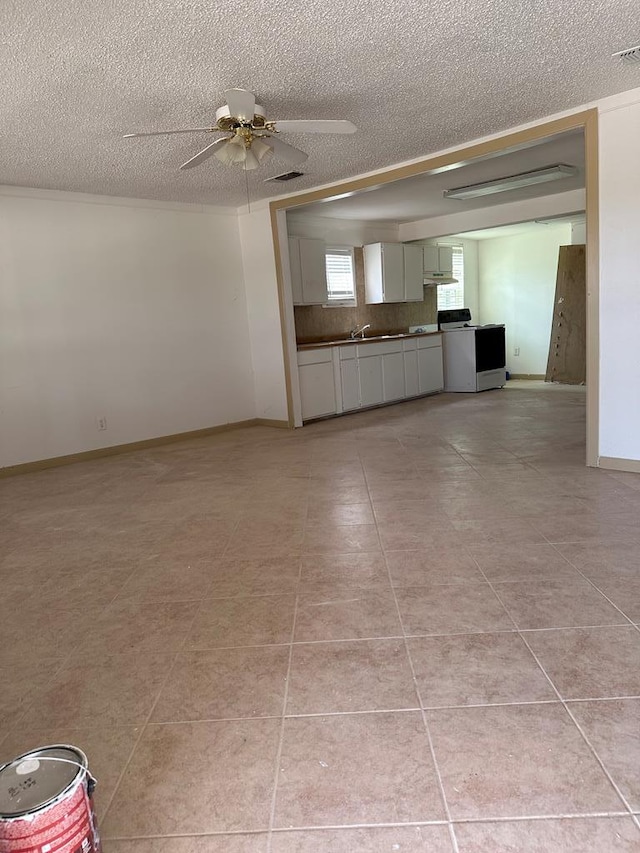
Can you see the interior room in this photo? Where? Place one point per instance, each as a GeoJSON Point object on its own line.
{"type": "Point", "coordinates": [408, 617]}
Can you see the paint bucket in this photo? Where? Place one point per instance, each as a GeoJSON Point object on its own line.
{"type": "Point", "coordinates": [46, 804]}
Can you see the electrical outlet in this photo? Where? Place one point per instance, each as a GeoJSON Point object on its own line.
{"type": "Point", "coordinates": [101, 423]}
{"type": "Point", "coordinates": [516, 351]}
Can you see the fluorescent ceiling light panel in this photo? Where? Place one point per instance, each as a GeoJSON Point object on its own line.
{"type": "Point", "coordinates": [513, 182]}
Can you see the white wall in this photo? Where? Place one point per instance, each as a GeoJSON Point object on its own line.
{"type": "Point", "coordinates": [131, 311]}
{"type": "Point", "coordinates": [341, 232]}
{"type": "Point", "coordinates": [493, 217]}
{"type": "Point", "coordinates": [620, 279]}
{"type": "Point", "coordinates": [517, 283]}
{"type": "Point", "coordinates": [258, 264]}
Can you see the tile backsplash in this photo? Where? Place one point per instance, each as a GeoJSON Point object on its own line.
{"type": "Point", "coordinates": [315, 323]}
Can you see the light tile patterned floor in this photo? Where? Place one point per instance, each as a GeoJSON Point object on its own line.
{"type": "Point", "coordinates": [411, 629]}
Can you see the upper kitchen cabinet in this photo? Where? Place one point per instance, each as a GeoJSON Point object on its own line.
{"type": "Point", "coordinates": [438, 261]}
{"type": "Point", "coordinates": [393, 273]}
{"type": "Point", "coordinates": [308, 271]}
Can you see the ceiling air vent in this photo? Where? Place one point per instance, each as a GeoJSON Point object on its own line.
{"type": "Point", "coordinates": [631, 56]}
{"type": "Point", "coordinates": [286, 176]}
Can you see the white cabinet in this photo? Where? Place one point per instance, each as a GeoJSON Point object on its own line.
{"type": "Point", "coordinates": [308, 271]}
{"type": "Point", "coordinates": [370, 375]}
{"type": "Point", "coordinates": [410, 356]}
{"type": "Point", "coordinates": [413, 273]}
{"type": "Point", "coordinates": [393, 273]}
{"type": "Point", "coordinates": [430, 373]}
{"type": "Point", "coordinates": [438, 261]}
{"type": "Point", "coordinates": [317, 385]}
{"type": "Point", "coordinates": [393, 384]}
{"type": "Point", "coordinates": [349, 379]}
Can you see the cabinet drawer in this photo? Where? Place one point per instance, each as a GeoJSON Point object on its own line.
{"type": "Point", "coordinates": [429, 341]}
{"type": "Point", "coordinates": [410, 345]}
{"type": "Point", "coordinates": [314, 356]}
{"type": "Point", "coordinates": [347, 352]}
{"type": "Point", "coordinates": [379, 348]}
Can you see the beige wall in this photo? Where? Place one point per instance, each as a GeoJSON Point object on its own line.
{"type": "Point", "coordinates": [131, 311]}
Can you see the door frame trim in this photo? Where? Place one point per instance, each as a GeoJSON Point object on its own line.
{"type": "Point", "coordinates": [586, 120]}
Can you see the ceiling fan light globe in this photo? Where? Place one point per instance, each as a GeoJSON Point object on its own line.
{"type": "Point", "coordinates": [260, 149]}
{"type": "Point", "coordinates": [250, 161]}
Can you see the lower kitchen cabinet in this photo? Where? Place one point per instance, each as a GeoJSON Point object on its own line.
{"type": "Point", "coordinates": [349, 379]}
{"type": "Point", "coordinates": [344, 378]}
{"type": "Point", "coordinates": [317, 383]}
{"type": "Point", "coordinates": [370, 376]}
{"type": "Point", "coordinates": [393, 384]}
{"type": "Point", "coordinates": [430, 372]}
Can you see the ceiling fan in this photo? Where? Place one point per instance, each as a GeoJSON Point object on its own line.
{"type": "Point", "coordinates": [249, 136]}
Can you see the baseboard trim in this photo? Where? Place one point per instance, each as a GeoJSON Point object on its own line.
{"type": "Point", "coordinates": [117, 449]}
{"type": "Point", "coordinates": [613, 463]}
{"type": "Point", "coordinates": [538, 376]}
{"type": "Point", "coordinates": [269, 422]}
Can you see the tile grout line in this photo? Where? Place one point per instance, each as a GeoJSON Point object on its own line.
{"type": "Point", "coordinates": [143, 728]}
{"type": "Point", "coordinates": [443, 796]}
{"type": "Point", "coordinates": [567, 710]}
{"type": "Point", "coordinates": [285, 699]}
{"type": "Point", "coordinates": [596, 587]}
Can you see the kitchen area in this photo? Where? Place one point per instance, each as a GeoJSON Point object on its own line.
{"type": "Point", "coordinates": [380, 342]}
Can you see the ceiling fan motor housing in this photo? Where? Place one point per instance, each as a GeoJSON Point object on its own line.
{"type": "Point", "coordinates": [226, 121]}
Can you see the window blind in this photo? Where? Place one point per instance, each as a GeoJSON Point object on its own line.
{"type": "Point", "coordinates": [452, 295]}
{"type": "Point", "coordinates": [340, 278]}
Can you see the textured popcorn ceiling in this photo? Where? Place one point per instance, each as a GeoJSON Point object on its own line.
{"type": "Point", "coordinates": [413, 77]}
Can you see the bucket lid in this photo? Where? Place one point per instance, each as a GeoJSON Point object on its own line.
{"type": "Point", "coordinates": [33, 780]}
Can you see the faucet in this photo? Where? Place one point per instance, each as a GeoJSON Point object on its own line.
{"type": "Point", "coordinates": [359, 330]}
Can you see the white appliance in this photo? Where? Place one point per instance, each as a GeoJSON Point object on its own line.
{"type": "Point", "coordinates": [474, 356]}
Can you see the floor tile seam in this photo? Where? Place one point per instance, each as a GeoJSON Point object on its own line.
{"type": "Point", "coordinates": [572, 717]}
{"type": "Point", "coordinates": [425, 723]}
{"type": "Point", "coordinates": [143, 728]}
{"type": "Point", "coordinates": [583, 734]}
{"type": "Point", "coordinates": [582, 700]}
{"type": "Point", "coordinates": [285, 699]}
{"type": "Point", "coordinates": [593, 583]}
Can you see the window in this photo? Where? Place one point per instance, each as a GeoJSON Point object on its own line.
{"type": "Point", "coordinates": [452, 295]}
{"type": "Point", "coordinates": [340, 276]}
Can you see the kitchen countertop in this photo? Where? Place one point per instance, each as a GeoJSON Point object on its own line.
{"type": "Point", "coordinates": [374, 339]}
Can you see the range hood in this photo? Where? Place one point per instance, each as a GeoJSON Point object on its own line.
{"type": "Point", "coordinates": [442, 278]}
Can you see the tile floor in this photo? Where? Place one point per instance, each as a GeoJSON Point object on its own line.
{"type": "Point", "coordinates": [412, 629]}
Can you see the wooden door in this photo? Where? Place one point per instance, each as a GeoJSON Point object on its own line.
{"type": "Point", "coordinates": [567, 361]}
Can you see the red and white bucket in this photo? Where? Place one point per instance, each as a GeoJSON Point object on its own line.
{"type": "Point", "coordinates": [46, 804]}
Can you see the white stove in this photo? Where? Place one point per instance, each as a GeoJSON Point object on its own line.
{"type": "Point", "coordinates": [474, 356]}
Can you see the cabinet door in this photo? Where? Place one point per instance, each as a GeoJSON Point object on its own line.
{"type": "Point", "coordinates": [445, 258]}
{"type": "Point", "coordinates": [317, 390]}
{"type": "Point", "coordinates": [413, 274]}
{"type": "Point", "coordinates": [370, 371]}
{"type": "Point", "coordinates": [430, 375]}
{"type": "Point", "coordinates": [431, 261]}
{"type": "Point", "coordinates": [350, 385]}
{"type": "Point", "coordinates": [296, 272]}
{"type": "Point", "coordinates": [393, 376]}
{"type": "Point", "coordinates": [412, 386]}
{"type": "Point", "coordinates": [313, 271]}
{"type": "Point", "coordinates": [393, 272]}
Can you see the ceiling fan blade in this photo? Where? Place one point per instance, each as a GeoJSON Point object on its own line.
{"type": "Point", "coordinates": [284, 151]}
{"type": "Point", "coordinates": [204, 154]}
{"type": "Point", "coordinates": [166, 132]}
{"type": "Point", "coordinates": [314, 126]}
{"type": "Point", "coordinates": [242, 104]}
